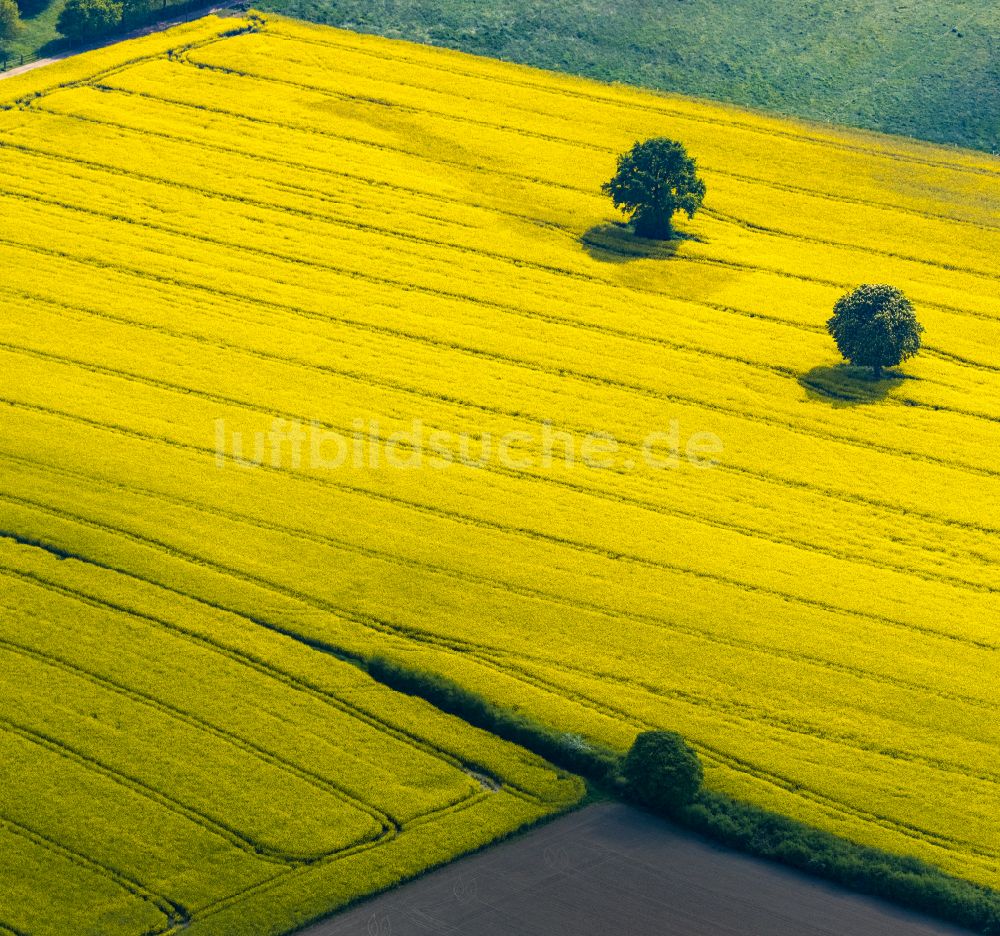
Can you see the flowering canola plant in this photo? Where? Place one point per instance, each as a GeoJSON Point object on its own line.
{"type": "Point", "coordinates": [287, 232]}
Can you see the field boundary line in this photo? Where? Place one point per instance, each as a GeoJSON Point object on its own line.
{"type": "Point", "coordinates": [735, 711]}
{"type": "Point", "coordinates": [743, 766]}
{"type": "Point", "coordinates": [188, 16]}
{"type": "Point", "coordinates": [275, 31]}
{"type": "Point", "coordinates": [212, 909]}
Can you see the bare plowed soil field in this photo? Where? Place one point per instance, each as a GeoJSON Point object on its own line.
{"type": "Point", "coordinates": [610, 869]}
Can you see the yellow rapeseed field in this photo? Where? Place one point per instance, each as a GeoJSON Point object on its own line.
{"type": "Point", "coordinates": [317, 339]}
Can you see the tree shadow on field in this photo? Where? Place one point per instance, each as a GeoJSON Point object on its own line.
{"type": "Point", "coordinates": [845, 385]}
{"type": "Point", "coordinates": [616, 242]}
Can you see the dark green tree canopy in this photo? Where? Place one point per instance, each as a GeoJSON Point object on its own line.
{"type": "Point", "coordinates": [88, 19]}
{"type": "Point", "coordinates": [654, 180]}
{"type": "Point", "coordinates": [662, 771]}
{"type": "Point", "coordinates": [10, 19]}
{"type": "Point", "coordinates": [875, 326]}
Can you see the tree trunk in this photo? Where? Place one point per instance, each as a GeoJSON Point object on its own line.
{"type": "Point", "coordinates": [653, 225]}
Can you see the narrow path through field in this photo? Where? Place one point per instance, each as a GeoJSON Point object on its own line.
{"type": "Point", "coordinates": [613, 869]}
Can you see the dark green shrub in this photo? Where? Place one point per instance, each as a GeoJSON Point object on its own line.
{"type": "Point", "coordinates": [81, 20]}
{"type": "Point", "coordinates": [568, 752]}
{"type": "Point", "coordinates": [662, 771]}
{"type": "Point", "coordinates": [907, 881]}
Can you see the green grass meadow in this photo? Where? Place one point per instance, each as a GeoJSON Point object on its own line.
{"type": "Point", "coordinates": [39, 35]}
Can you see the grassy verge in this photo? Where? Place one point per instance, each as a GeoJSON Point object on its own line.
{"type": "Point", "coordinates": [903, 880]}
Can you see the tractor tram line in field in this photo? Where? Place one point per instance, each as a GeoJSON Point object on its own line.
{"type": "Point", "coordinates": [640, 503]}
{"type": "Point", "coordinates": [494, 209]}
{"type": "Point", "coordinates": [390, 824]}
{"type": "Point", "coordinates": [224, 67]}
{"type": "Point", "coordinates": [611, 711]}
{"type": "Point", "coordinates": [759, 714]}
{"type": "Point", "coordinates": [712, 755]}
{"type": "Point", "coordinates": [277, 207]}
{"type": "Point", "coordinates": [646, 391]}
{"type": "Point", "coordinates": [343, 222]}
{"type": "Point", "coordinates": [523, 531]}
{"type": "Point", "coordinates": [596, 379]}
{"type": "Point", "coordinates": [367, 327]}
{"type": "Point", "coordinates": [390, 827]}
{"type": "Point", "coordinates": [144, 699]}
{"type": "Point", "coordinates": [702, 259]}
{"type": "Point", "coordinates": [777, 370]}
{"type": "Point", "coordinates": [481, 580]}
{"type": "Point", "coordinates": [936, 518]}
{"type": "Point", "coordinates": [561, 542]}
{"type": "Point", "coordinates": [489, 653]}
{"type": "Point", "coordinates": [173, 914]}
{"type": "Point", "coordinates": [526, 108]}
{"type": "Point", "coordinates": [521, 178]}
{"type": "Point", "coordinates": [563, 86]}
{"type": "Point", "coordinates": [276, 223]}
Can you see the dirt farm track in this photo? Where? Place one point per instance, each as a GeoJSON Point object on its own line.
{"type": "Point", "coordinates": [609, 869]}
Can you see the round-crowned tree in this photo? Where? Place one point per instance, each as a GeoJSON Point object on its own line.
{"type": "Point", "coordinates": [662, 771]}
{"type": "Point", "coordinates": [89, 19]}
{"type": "Point", "coordinates": [875, 326]}
{"type": "Point", "coordinates": [655, 180]}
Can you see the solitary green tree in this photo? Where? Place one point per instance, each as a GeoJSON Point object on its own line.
{"type": "Point", "coordinates": [662, 771]}
{"type": "Point", "coordinates": [88, 19]}
{"type": "Point", "coordinates": [654, 180]}
{"type": "Point", "coordinates": [875, 326]}
{"type": "Point", "coordinates": [10, 19]}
